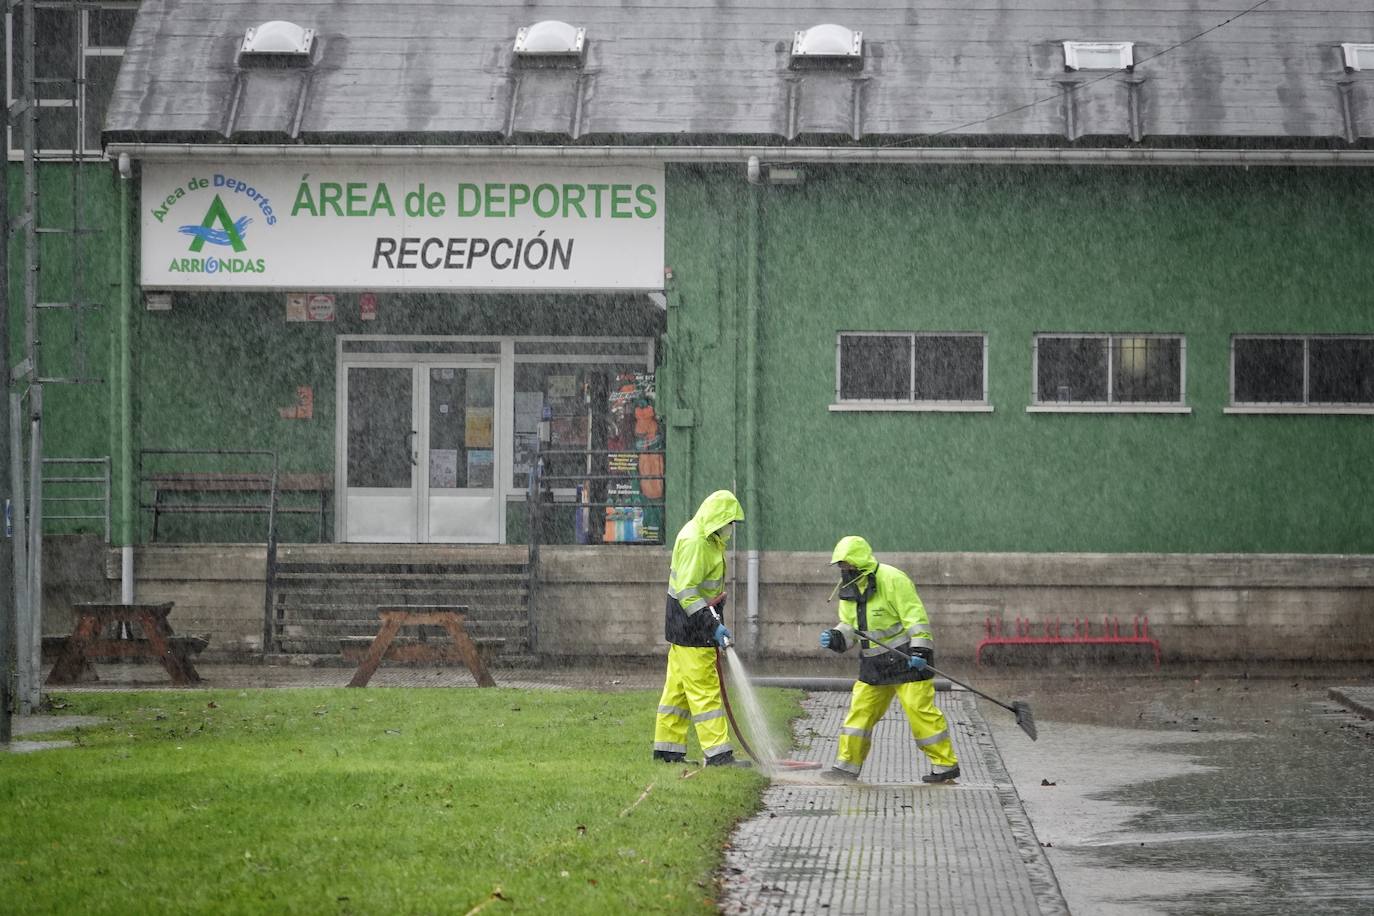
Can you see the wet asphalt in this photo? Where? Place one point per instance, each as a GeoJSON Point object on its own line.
{"type": "Point", "coordinates": [1215, 794]}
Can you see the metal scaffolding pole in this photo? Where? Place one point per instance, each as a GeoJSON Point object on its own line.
{"type": "Point", "coordinates": [40, 240]}
{"type": "Point", "coordinates": [28, 631]}
{"type": "Point", "coordinates": [7, 620]}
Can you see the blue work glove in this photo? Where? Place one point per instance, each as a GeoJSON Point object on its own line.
{"type": "Point", "coordinates": [832, 640]}
{"type": "Point", "coordinates": [722, 636]}
{"type": "Point", "coordinates": [915, 663]}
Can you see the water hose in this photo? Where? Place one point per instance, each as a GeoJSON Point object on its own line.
{"type": "Point", "coordinates": [730, 713]}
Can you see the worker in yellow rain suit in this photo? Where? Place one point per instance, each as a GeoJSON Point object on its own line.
{"type": "Point", "coordinates": [882, 602]}
{"type": "Point", "coordinates": [694, 626]}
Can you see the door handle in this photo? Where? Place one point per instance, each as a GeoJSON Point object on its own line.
{"type": "Point", "coordinates": [410, 448]}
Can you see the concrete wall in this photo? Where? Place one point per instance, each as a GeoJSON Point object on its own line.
{"type": "Point", "coordinates": [600, 602]}
{"type": "Point", "coordinates": [1215, 606]}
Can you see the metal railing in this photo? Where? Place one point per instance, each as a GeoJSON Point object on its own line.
{"type": "Point", "coordinates": [268, 508]}
{"type": "Point", "coordinates": [76, 490]}
{"type": "Point", "coordinates": [590, 488]}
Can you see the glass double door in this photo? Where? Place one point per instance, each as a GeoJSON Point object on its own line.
{"type": "Point", "coordinates": [419, 452]}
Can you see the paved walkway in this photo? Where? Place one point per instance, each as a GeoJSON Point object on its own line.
{"type": "Point", "coordinates": [891, 844]}
{"type": "Point", "coordinates": [1359, 699]}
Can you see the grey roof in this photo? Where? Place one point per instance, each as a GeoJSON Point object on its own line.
{"type": "Point", "coordinates": [444, 70]}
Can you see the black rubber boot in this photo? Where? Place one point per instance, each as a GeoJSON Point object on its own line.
{"type": "Point", "coordinates": [947, 776]}
{"type": "Point", "coordinates": [726, 760]}
{"type": "Point", "coordinates": [669, 756]}
{"type": "Point", "coordinates": [835, 774]}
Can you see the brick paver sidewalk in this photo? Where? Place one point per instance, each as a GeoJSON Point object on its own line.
{"type": "Point", "coordinates": [890, 844]}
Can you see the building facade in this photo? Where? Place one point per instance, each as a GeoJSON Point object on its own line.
{"type": "Point", "coordinates": [990, 290]}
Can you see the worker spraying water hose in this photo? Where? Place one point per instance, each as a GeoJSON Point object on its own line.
{"type": "Point", "coordinates": [695, 630]}
{"type": "Point", "coordinates": [693, 690]}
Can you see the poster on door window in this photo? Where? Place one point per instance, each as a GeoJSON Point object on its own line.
{"type": "Point", "coordinates": [526, 451]}
{"type": "Point", "coordinates": [477, 427]}
{"type": "Point", "coordinates": [529, 405]}
{"type": "Point", "coordinates": [480, 467]}
{"type": "Point", "coordinates": [635, 511]}
{"type": "Point", "coordinates": [443, 468]}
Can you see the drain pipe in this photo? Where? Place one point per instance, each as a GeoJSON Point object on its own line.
{"type": "Point", "coordinates": [754, 280]}
{"type": "Point", "coordinates": [124, 451]}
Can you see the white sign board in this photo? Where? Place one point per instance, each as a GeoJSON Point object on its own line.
{"type": "Point", "coordinates": [373, 226]}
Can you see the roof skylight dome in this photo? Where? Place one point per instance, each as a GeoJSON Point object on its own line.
{"type": "Point", "coordinates": [828, 45]}
{"type": "Point", "coordinates": [550, 38]}
{"type": "Point", "coordinates": [278, 40]}
{"type": "Point", "coordinates": [1099, 55]}
{"type": "Point", "coordinates": [1358, 56]}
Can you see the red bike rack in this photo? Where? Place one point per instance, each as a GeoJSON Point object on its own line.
{"type": "Point", "coordinates": [1052, 634]}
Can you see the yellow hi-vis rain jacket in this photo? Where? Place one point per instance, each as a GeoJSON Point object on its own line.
{"type": "Point", "coordinates": [887, 607]}
{"type": "Point", "coordinates": [697, 577]}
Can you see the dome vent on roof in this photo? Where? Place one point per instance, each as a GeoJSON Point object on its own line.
{"type": "Point", "coordinates": [550, 38]}
{"type": "Point", "coordinates": [828, 45]}
{"type": "Point", "coordinates": [277, 41]}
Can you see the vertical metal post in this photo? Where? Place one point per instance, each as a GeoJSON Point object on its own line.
{"type": "Point", "coordinates": [20, 584]}
{"type": "Point", "coordinates": [31, 695]}
{"type": "Point", "coordinates": [6, 493]}
{"type": "Point", "coordinates": [269, 630]}
{"type": "Point", "coordinates": [28, 637]}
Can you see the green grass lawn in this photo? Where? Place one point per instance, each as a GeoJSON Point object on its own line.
{"type": "Point", "coordinates": [367, 801]}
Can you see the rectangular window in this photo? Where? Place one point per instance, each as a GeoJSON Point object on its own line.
{"type": "Point", "coordinates": [1304, 371]}
{"type": "Point", "coordinates": [1112, 371]}
{"type": "Point", "coordinates": [880, 370]}
{"type": "Point", "coordinates": [79, 50]}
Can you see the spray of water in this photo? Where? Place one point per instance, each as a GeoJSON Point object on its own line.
{"type": "Point", "coordinates": [747, 707]}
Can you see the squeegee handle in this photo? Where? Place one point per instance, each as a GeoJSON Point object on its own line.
{"type": "Point", "coordinates": [934, 670]}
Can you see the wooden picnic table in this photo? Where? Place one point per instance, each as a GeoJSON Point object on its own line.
{"type": "Point", "coordinates": [157, 642]}
{"type": "Point", "coordinates": [450, 617]}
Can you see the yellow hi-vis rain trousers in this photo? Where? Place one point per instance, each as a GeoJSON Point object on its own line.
{"type": "Point", "coordinates": [867, 705]}
{"type": "Point", "coordinates": [691, 692]}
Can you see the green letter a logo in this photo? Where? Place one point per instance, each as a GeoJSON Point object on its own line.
{"type": "Point", "coordinates": [229, 235]}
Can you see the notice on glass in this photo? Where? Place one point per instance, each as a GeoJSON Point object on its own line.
{"type": "Point", "coordinates": [562, 386]}
{"type": "Point", "coordinates": [526, 449]}
{"type": "Point", "coordinates": [477, 427]}
{"type": "Point", "coordinates": [443, 468]}
{"type": "Point", "coordinates": [529, 405]}
{"type": "Point", "coordinates": [480, 468]}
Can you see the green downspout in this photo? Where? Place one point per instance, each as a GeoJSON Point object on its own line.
{"type": "Point", "coordinates": [124, 387]}
{"type": "Point", "coordinates": [753, 534]}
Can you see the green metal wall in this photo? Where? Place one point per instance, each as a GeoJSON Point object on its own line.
{"type": "Point", "coordinates": [1203, 252]}
{"type": "Point", "coordinates": [1011, 252]}
{"type": "Point", "coordinates": [72, 345]}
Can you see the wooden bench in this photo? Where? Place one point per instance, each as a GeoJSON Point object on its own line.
{"type": "Point", "coordinates": [158, 643]}
{"type": "Point", "coordinates": [462, 648]}
{"type": "Point", "coordinates": [194, 493]}
{"type": "Point", "coordinates": [186, 646]}
{"type": "Point", "coordinates": [417, 650]}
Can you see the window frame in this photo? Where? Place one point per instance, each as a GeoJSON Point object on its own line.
{"type": "Point", "coordinates": [909, 404]}
{"type": "Point", "coordinates": [1306, 407]}
{"type": "Point", "coordinates": [77, 99]}
{"type": "Point", "coordinates": [1110, 406]}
